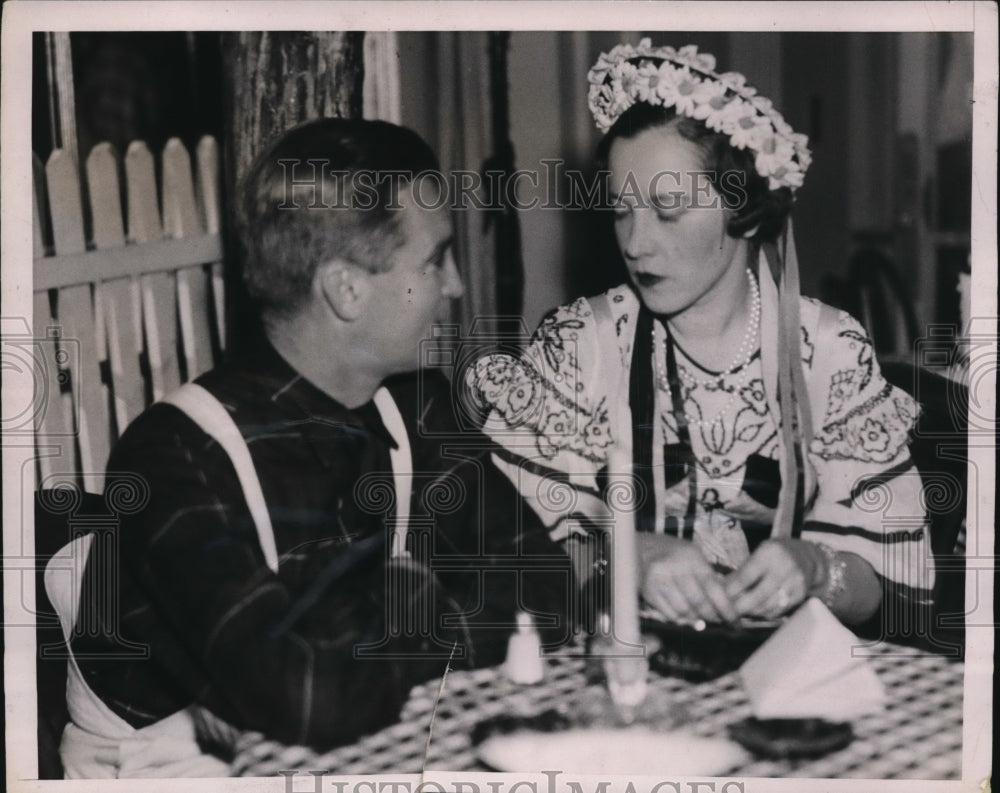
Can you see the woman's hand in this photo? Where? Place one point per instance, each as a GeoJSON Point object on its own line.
{"type": "Point", "coordinates": [777, 577]}
{"type": "Point", "coordinates": [679, 582]}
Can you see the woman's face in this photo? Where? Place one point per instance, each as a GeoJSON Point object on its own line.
{"type": "Point", "coordinates": [670, 222]}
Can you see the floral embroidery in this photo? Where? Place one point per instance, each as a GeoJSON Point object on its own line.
{"type": "Point", "coordinates": [564, 411]}
{"type": "Point", "coordinates": [842, 389]}
{"type": "Point", "coordinates": [556, 338]}
{"type": "Point", "coordinates": [874, 432]}
{"type": "Point", "coordinates": [596, 433]}
{"type": "Point", "coordinates": [749, 432]}
{"type": "Point", "coordinates": [547, 393]}
{"type": "Point", "coordinates": [544, 391]}
{"type": "Point", "coordinates": [753, 396]}
{"type": "Point", "coordinates": [490, 378]}
{"type": "Point", "coordinates": [741, 430]}
{"type": "Point", "coordinates": [874, 438]}
{"type": "Point", "coordinates": [848, 385]}
{"type": "Point", "coordinates": [906, 407]}
{"type": "Point", "coordinates": [865, 358]}
{"type": "Point", "coordinates": [865, 419]}
{"type": "Point", "coordinates": [808, 349]}
{"type": "Point", "coordinates": [710, 500]}
{"type": "Point", "coordinates": [519, 397]}
{"type": "Point", "coordinates": [556, 433]}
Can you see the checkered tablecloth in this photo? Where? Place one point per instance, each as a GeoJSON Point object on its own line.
{"type": "Point", "coordinates": [917, 736]}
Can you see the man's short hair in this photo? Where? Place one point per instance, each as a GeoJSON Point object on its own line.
{"type": "Point", "coordinates": [324, 189]}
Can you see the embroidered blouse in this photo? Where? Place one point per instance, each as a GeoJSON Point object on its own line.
{"type": "Point", "coordinates": [555, 409]}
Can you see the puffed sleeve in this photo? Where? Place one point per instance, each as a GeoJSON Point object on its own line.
{"type": "Point", "coordinates": [869, 497]}
{"type": "Point", "coordinates": [548, 416]}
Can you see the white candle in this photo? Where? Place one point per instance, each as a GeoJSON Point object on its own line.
{"type": "Point", "coordinates": [624, 555]}
{"type": "Point", "coordinates": [626, 666]}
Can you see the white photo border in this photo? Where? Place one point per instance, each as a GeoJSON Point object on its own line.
{"type": "Point", "coordinates": [21, 19]}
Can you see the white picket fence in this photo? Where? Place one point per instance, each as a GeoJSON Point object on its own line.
{"type": "Point", "coordinates": [126, 316]}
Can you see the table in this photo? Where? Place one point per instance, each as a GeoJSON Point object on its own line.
{"type": "Point", "coordinates": [917, 736]}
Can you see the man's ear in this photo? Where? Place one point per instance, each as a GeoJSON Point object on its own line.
{"type": "Point", "coordinates": [344, 287]}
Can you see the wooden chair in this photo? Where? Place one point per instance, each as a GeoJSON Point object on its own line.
{"type": "Point", "coordinates": [877, 297]}
{"type": "Point", "coordinates": [939, 446]}
{"type": "Point", "coordinates": [130, 316]}
{"type": "Point", "coordinates": [57, 515]}
{"type": "Point", "coordinates": [127, 306]}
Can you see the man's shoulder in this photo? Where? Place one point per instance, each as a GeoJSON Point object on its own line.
{"type": "Point", "coordinates": [240, 386]}
{"type": "Point", "coordinates": [158, 432]}
{"type": "Point", "coordinates": [163, 425]}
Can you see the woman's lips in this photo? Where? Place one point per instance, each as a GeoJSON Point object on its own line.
{"type": "Point", "coordinates": [647, 279]}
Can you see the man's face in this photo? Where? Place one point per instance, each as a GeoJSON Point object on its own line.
{"type": "Point", "coordinates": [407, 299]}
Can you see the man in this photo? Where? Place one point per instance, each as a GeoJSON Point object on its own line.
{"type": "Point", "coordinates": [299, 630]}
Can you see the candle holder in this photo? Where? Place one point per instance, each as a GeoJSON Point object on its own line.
{"type": "Point", "coordinates": [624, 668]}
{"type": "Point", "coordinates": [622, 695]}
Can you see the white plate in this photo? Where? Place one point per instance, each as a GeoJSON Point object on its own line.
{"type": "Point", "coordinates": [633, 750]}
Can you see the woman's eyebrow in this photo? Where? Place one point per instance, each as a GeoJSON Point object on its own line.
{"type": "Point", "coordinates": [674, 200]}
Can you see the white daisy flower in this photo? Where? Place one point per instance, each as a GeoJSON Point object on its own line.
{"type": "Point", "coordinates": [666, 85]}
{"type": "Point", "coordinates": [703, 62]}
{"type": "Point", "coordinates": [773, 153]}
{"type": "Point", "coordinates": [710, 97]}
{"type": "Point", "coordinates": [686, 54]}
{"type": "Point", "coordinates": [788, 175]}
{"type": "Point", "coordinates": [726, 119]}
{"type": "Point", "coordinates": [686, 88]}
{"type": "Point", "coordinates": [738, 83]}
{"type": "Point", "coordinates": [804, 158]}
{"type": "Point", "coordinates": [648, 79]}
{"type": "Point", "coordinates": [749, 130]}
{"type": "Point", "coordinates": [800, 140]}
{"type": "Point", "coordinates": [627, 76]}
{"type": "Point", "coordinates": [782, 126]}
{"type": "Point", "coordinates": [686, 80]}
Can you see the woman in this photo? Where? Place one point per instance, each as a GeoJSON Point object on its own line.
{"type": "Point", "coordinates": [759, 483]}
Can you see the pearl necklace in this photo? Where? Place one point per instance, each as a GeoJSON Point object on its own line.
{"type": "Point", "coordinates": [743, 356]}
{"type": "Point", "coordinates": [747, 345]}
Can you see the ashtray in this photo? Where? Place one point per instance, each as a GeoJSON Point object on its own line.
{"type": "Point", "coordinates": [704, 651]}
{"type": "Point", "coordinates": [791, 738]}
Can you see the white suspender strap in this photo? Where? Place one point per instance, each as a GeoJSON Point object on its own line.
{"type": "Point", "coordinates": [213, 418]}
{"type": "Point", "coordinates": [402, 467]}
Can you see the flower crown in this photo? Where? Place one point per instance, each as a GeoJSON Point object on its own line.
{"type": "Point", "coordinates": [686, 80]}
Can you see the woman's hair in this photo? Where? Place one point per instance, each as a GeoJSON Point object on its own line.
{"type": "Point", "coordinates": [324, 189]}
{"type": "Point", "coordinates": [746, 191]}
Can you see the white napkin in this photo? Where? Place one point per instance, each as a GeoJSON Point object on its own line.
{"type": "Point", "coordinates": [806, 670]}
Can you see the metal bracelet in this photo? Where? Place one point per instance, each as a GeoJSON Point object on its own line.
{"type": "Point", "coordinates": [836, 575]}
